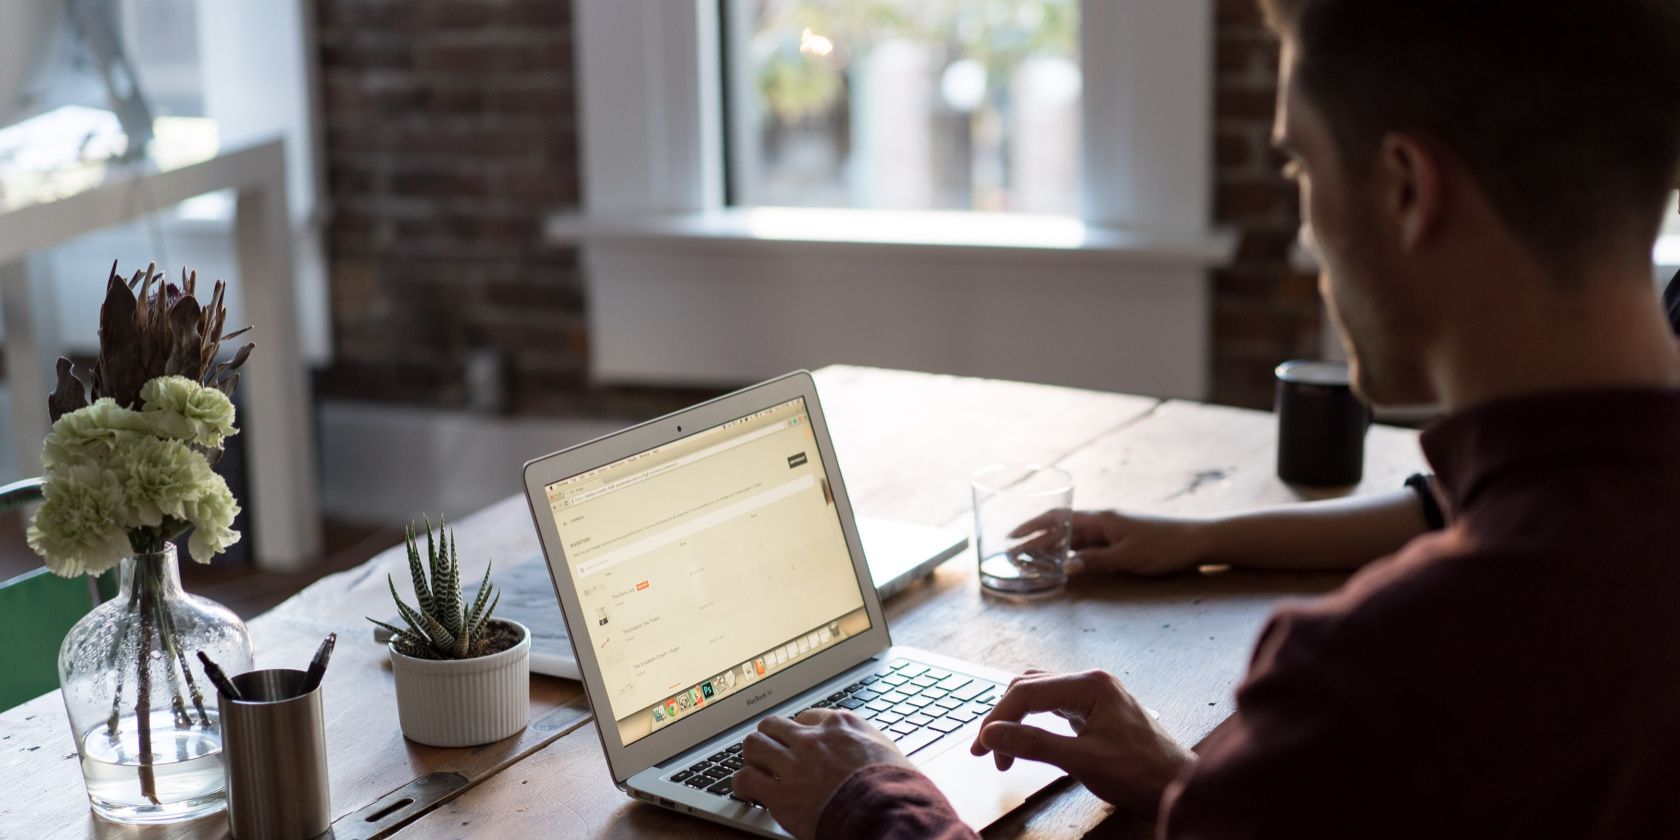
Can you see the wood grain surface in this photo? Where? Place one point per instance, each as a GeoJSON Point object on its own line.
{"type": "Point", "coordinates": [41, 792]}
{"type": "Point", "coordinates": [906, 443]}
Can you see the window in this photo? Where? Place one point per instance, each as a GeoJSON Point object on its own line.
{"type": "Point", "coordinates": [1671, 222]}
{"type": "Point", "coordinates": [695, 275]}
{"type": "Point", "coordinates": [904, 104]}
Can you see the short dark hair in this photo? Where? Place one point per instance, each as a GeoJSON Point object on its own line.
{"type": "Point", "coordinates": [1566, 112]}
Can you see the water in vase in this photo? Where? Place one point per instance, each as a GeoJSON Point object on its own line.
{"type": "Point", "coordinates": [188, 776]}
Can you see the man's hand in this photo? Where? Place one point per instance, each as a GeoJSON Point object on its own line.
{"type": "Point", "coordinates": [1118, 751]}
{"type": "Point", "coordinates": [1110, 541]}
{"type": "Point", "coordinates": [793, 767]}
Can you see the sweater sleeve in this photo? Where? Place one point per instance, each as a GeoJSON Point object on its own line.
{"type": "Point", "coordinates": [1293, 762]}
{"type": "Point", "coordinates": [890, 802]}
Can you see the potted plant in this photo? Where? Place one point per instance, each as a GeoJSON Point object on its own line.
{"type": "Point", "coordinates": [463, 677]}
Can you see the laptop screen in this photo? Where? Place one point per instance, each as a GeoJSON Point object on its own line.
{"type": "Point", "coordinates": [707, 564]}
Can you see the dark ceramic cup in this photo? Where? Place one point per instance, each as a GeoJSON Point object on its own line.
{"type": "Point", "coordinates": [1321, 425]}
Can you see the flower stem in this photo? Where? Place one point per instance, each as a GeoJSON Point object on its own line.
{"type": "Point", "coordinates": [143, 691]}
{"type": "Point", "coordinates": [172, 643]}
{"type": "Point", "coordinates": [116, 696]}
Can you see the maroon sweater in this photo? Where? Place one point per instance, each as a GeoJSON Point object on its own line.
{"type": "Point", "coordinates": [1516, 675]}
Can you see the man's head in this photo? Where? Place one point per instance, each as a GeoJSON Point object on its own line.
{"type": "Point", "coordinates": [1445, 146]}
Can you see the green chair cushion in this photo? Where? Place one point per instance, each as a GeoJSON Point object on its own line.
{"type": "Point", "coordinates": [36, 610]}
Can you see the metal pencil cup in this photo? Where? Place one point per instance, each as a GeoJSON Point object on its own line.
{"type": "Point", "coordinates": [274, 744]}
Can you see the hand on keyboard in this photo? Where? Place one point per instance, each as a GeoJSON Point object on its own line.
{"type": "Point", "coordinates": [794, 766]}
{"type": "Point", "coordinates": [1119, 752]}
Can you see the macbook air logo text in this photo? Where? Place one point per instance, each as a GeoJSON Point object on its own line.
{"type": "Point", "coordinates": [758, 697]}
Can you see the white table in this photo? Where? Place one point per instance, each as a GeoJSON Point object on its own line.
{"type": "Point", "coordinates": [276, 420]}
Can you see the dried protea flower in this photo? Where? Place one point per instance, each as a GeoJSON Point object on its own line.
{"type": "Point", "coordinates": [147, 331]}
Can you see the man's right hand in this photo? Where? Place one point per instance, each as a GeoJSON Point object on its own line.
{"type": "Point", "coordinates": [1139, 544]}
{"type": "Point", "coordinates": [1118, 751]}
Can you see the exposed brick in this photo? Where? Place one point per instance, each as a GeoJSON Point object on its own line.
{"type": "Point", "coordinates": [1246, 102]}
{"type": "Point", "coordinates": [1245, 382]}
{"type": "Point", "coordinates": [1235, 151]}
{"type": "Point", "coordinates": [1246, 59]}
{"type": "Point", "coordinates": [538, 12]}
{"type": "Point", "coordinates": [1237, 12]}
{"type": "Point", "coordinates": [1265, 311]}
{"type": "Point", "coordinates": [1266, 200]}
{"type": "Point", "coordinates": [558, 295]}
{"type": "Point", "coordinates": [552, 186]}
{"type": "Point", "coordinates": [354, 14]}
{"type": "Point", "coordinates": [1265, 246]}
{"type": "Point", "coordinates": [406, 380]}
{"type": "Point", "coordinates": [434, 182]}
{"type": "Point", "coordinates": [461, 14]}
{"type": "Point", "coordinates": [449, 136]}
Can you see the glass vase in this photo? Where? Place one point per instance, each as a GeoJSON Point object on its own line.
{"type": "Point", "coordinates": [144, 716]}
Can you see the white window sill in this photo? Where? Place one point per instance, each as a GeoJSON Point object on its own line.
{"type": "Point", "coordinates": [888, 232]}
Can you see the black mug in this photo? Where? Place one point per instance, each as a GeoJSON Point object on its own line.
{"type": "Point", "coordinates": [1321, 425]}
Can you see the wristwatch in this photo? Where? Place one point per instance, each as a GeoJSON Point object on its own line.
{"type": "Point", "coordinates": [1426, 497]}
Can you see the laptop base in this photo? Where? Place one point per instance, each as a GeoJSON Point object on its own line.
{"type": "Point", "coordinates": [977, 790]}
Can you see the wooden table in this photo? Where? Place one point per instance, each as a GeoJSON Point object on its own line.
{"type": "Point", "coordinates": [906, 443]}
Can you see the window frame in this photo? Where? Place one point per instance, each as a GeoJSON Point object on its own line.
{"type": "Point", "coordinates": [652, 158]}
{"type": "Point", "coordinates": [652, 122]}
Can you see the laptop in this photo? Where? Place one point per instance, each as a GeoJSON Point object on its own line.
{"type": "Point", "coordinates": [711, 574]}
{"type": "Point", "coordinates": [902, 553]}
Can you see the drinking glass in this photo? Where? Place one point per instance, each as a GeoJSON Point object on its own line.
{"type": "Point", "coordinates": [1023, 526]}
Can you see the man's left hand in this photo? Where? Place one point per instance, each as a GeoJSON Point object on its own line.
{"type": "Point", "coordinates": [793, 767]}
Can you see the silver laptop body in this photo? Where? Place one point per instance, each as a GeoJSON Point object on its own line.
{"type": "Point", "coordinates": [710, 574]}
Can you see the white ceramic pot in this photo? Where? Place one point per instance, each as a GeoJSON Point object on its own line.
{"type": "Point", "coordinates": [465, 702]}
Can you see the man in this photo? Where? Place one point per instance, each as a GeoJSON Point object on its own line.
{"type": "Point", "coordinates": [1483, 182]}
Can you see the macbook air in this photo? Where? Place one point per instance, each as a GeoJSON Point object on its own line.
{"type": "Point", "coordinates": [710, 573]}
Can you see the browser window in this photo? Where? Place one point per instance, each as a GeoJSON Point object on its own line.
{"type": "Point", "coordinates": [707, 564]}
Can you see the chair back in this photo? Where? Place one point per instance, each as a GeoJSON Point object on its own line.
{"type": "Point", "coordinates": [37, 609]}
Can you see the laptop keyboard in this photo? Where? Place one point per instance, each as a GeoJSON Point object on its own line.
{"type": "Point", "coordinates": [913, 703]}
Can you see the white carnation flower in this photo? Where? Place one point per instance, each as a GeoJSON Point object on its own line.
{"type": "Point", "coordinates": [185, 410]}
{"type": "Point", "coordinates": [159, 477]}
{"type": "Point", "coordinates": [79, 528]}
{"type": "Point", "coordinates": [90, 433]}
{"type": "Point", "coordinates": [211, 515]}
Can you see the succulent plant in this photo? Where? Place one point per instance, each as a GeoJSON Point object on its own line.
{"type": "Point", "coordinates": [147, 331]}
{"type": "Point", "coordinates": [443, 626]}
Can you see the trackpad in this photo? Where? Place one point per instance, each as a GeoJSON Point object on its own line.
{"type": "Point", "coordinates": [977, 790]}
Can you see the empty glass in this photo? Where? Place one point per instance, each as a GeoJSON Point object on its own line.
{"type": "Point", "coordinates": [1023, 526]}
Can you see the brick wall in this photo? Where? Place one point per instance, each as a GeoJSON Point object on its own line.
{"type": "Point", "coordinates": [450, 133]}
{"type": "Point", "coordinates": [1264, 312]}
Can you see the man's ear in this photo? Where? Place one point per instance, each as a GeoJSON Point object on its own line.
{"type": "Point", "coordinates": [1410, 185]}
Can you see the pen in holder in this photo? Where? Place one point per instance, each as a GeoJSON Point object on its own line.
{"type": "Point", "coordinates": [274, 744]}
